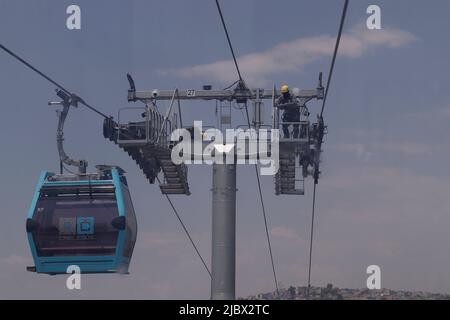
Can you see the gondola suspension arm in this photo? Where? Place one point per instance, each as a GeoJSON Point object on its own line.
{"type": "Point", "coordinates": [66, 103]}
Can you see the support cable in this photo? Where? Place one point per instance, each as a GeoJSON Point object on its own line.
{"type": "Point", "coordinates": [52, 81]}
{"type": "Point", "coordinates": [311, 240]}
{"type": "Point", "coordinates": [229, 40]}
{"type": "Point", "coordinates": [336, 49]}
{"type": "Point", "coordinates": [175, 211]}
{"type": "Point", "coordinates": [333, 61]}
{"type": "Point", "coordinates": [265, 217]}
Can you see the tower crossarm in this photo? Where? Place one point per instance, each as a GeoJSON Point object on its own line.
{"type": "Point", "coordinates": [221, 95]}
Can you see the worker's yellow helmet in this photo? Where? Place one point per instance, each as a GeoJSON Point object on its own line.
{"type": "Point", "coordinates": [284, 88]}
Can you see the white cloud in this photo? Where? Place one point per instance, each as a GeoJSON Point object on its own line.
{"type": "Point", "coordinates": [285, 233]}
{"type": "Point", "coordinates": [293, 56]}
{"type": "Point", "coordinates": [366, 151]}
{"type": "Point", "coordinates": [359, 149]}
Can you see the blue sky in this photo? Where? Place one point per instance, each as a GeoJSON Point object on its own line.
{"type": "Point", "coordinates": [383, 197]}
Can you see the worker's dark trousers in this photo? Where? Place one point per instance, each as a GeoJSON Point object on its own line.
{"type": "Point", "coordinates": [286, 131]}
{"type": "Point", "coordinates": [291, 117]}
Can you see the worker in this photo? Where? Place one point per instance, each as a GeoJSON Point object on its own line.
{"type": "Point", "coordinates": [291, 114]}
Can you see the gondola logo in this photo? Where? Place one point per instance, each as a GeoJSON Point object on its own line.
{"type": "Point", "coordinates": [67, 227]}
{"type": "Point", "coordinates": [85, 225]}
{"type": "Point", "coordinates": [76, 228]}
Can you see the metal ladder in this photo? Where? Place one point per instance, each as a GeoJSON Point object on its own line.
{"type": "Point", "coordinates": [175, 176]}
{"type": "Point", "coordinates": [285, 179]}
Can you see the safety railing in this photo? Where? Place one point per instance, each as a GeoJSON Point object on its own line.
{"type": "Point", "coordinates": [153, 128]}
{"type": "Point", "coordinates": [289, 126]}
{"type": "Point", "coordinates": [288, 131]}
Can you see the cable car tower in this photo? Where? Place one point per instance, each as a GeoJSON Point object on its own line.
{"type": "Point", "coordinates": [147, 142]}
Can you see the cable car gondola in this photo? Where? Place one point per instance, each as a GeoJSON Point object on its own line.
{"type": "Point", "coordinates": [83, 219]}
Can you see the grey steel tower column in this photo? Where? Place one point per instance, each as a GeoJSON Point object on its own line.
{"type": "Point", "coordinates": [223, 269]}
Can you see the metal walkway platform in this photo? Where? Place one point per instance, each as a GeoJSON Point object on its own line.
{"type": "Point", "coordinates": [151, 153]}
